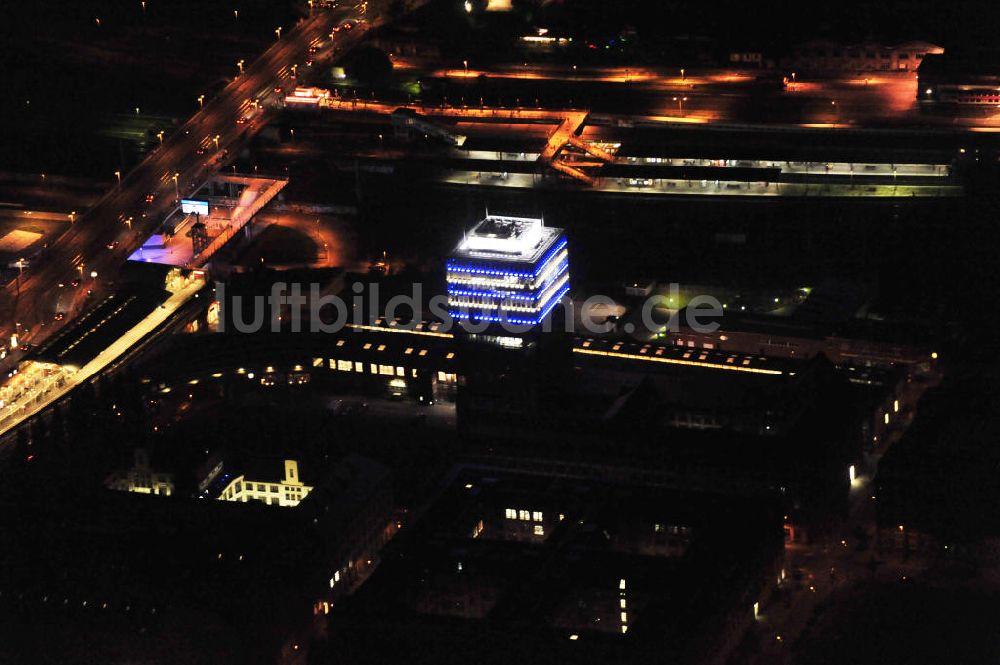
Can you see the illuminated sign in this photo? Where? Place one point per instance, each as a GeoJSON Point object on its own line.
{"type": "Point", "coordinates": [194, 207]}
{"type": "Point", "coordinates": [307, 96]}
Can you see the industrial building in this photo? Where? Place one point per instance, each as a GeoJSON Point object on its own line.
{"type": "Point", "coordinates": [964, 80]}
{"type": "Point", "coordinates": [835, 57]}
{"type": "Point", "coordinates": [539, 567]}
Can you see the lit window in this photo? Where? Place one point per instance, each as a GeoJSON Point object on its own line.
{"type": "Point", "coordinates": [317, 362]}
{"type": "Point", "coordinates": [386, 370]}
{"type": "Point", "coordinates": [510, 514]}
{"type": "Point", "coordinates": [423, 352]}
{"type": "Point", "coordinates": [451, 354]}
{"type": "Point", "coordinates": [624, 617]}
{"type": "Point", "coordinates": [340, 342]}
{"type": "Point", "coordinates": [344, 365]}
{"type": "Point", "coordinates": [408, 351]}
{"type": "Point", "coordinates": [524, 515]}
{"type": "Point", "coordinates": [539, 530]}
{"type": "Point", "coordinates": [621, 584]}
{"type": "Point", "coordinates": [381, 347]}
{"type": "Point", "coordinates": [621, 603]}
{"type": "Point", "coordinates": [367, 346]}
{"type": "Point", "coordinates": [536, 516]}
{"type": "Point", "coordinates": [400, 371]}
{"type": "Point", "coordinates": [358, 367]}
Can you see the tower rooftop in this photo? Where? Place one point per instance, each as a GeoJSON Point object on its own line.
{"type": "Point", "coordinates": [497, 237]}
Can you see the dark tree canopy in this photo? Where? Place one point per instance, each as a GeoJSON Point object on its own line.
{"type": "Point", "coordinates": [369, 65]}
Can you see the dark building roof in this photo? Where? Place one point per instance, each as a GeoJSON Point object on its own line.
{"type": "Point", "coordinates": [960, 68]}
{"type": "Point", "coordinates": [468, 584]}
{"type": "Point", "coordinates": [103, 324]}
{"type": "Point", "coordinates": [941, 476]}
{"type": "Point", "coordinates": [123, 563]}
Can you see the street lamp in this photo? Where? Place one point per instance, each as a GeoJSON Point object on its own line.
{"type": "Point", "coordinates": [201, 101]}
{"type": "Point", "coordinates": [465, 64]}
{"type": "Point", "coordinates": [159, 135]}
{"type": "Point", "coordinates": [277, 31]}
{"type": "Point", "coordinates": [682, 73]}
{"type": "Point", "coordinates": [118, 174]}
{"type": "Point", "coordinates": [236, 15]}
{"type": "Point", "coordinates": [177, 191]}
{"type": "Point", "coordinates": [680, 104]}
{"type": "Point", "coordinates": [216, 140]}
{"type": "Point", "coordinates": [240, 65]}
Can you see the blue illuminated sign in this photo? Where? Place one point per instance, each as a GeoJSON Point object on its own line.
{"type": "Point", "coordinates": [194, 207]}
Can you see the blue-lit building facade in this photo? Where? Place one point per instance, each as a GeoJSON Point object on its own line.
{"type": "Point", "coordinates": [508, 269]}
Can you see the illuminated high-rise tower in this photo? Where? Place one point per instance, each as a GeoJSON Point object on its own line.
{"type": "Point", "coordinates": [511, 269]}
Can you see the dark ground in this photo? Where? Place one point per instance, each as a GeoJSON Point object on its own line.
{"type": "Point", "coordinates": [907, 623]}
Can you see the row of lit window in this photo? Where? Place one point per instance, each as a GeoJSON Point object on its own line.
{"type": "Point", "coordinates": [499, 303]}
{"type": "Point", "coordinates": [622, 605]}
{"type": "Point", "coordinates": [373, 368]}
{"type": "Point", "coordinates": [489, 304]}
{"type": "Point", "coordinates": [700, 362]}
{"type": "Point", "coordinates": [500, 281]}
{"type": "Point", "coordinates": [671, 529]}
{"type": "Point", "coordinates": [555, 267]}
{"type": "Point", "coordinates": [255, 490]}
{"type": "Point", "coordinates": [319, 362]}
{"type": "Point", "coordinates": [525, 515]}
{"type": "Point", "coordinates": [382, 370]}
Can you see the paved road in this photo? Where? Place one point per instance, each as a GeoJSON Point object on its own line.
{"type": "Point", "coordinates": [124, 217]}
